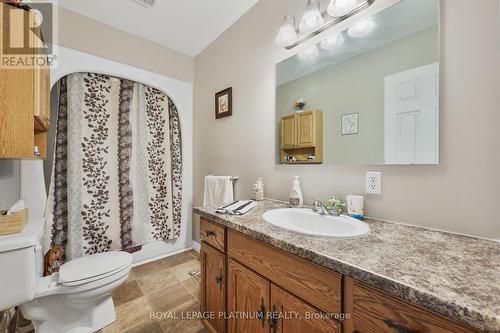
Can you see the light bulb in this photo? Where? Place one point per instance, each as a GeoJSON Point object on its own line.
{"type": "Point", "coordinates": [311, 17]}
{"type": "Point", "coordinates": [309, 53]}
{"type": "Point", "coordinates": [338, 8]}
{"type": "Point", "coordinates": [332, 42]}
{"type": "Point", "coordinates": [361, 28]}
{"type": "Point", "coordinates": [286, 34]}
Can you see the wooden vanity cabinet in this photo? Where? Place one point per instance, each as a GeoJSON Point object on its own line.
{"type": "Point", "coordinates": [269, 290]}
{"type": "Point", "coordinates": [274, 309]}
{"type": "Point", "coordinates": [318, 286]}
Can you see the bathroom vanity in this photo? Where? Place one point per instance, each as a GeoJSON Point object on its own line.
{"type": "Point", "coordinates": [398, 278]}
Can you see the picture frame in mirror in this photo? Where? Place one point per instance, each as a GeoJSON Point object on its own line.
{"type": "Point", "coordinates": [350, 123]}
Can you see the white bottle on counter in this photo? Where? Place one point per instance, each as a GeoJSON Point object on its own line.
{"type": "Point", "coordinates": [296, 199]}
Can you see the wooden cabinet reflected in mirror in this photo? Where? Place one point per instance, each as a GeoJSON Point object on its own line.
{"type": "Point", "coordinates": [302, 138]}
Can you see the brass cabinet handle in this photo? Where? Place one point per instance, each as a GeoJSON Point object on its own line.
{"type": "Point", "coordinates": [398, 328]}
{"type": "Point", "coordinates": [219, 279]}
{"type": "Point", "coordinates": [209, 233]}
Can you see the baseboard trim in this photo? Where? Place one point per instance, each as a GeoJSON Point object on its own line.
{"type": "Point", "coordinates": [196, 246]}
{"type": "Point", "coordinates": [142, 262]}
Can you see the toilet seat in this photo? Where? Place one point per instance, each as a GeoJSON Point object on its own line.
{"type": "Point", "coordinates": [92, 268]}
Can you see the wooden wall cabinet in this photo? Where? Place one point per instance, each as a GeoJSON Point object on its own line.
{"type": "Point", "coordinates": [269, 290]}
{"type": "Point", "coordinates": [301, 136]}
{"type": "Point", "coordinates": [24, 98]}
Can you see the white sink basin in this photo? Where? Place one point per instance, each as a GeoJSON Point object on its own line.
{"type": "Point", "coordinates": [307, 222]}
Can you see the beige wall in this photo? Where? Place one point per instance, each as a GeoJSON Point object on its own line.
{"type": "Point", "coordinates": [355, 85]}
{"type": "Point", "coordinates": [87, 35]}
{"type": "Point", "coordinates": [461, 194]}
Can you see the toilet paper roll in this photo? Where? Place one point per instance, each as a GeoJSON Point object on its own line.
{"type": "Point", "coordinates": [355, 205]}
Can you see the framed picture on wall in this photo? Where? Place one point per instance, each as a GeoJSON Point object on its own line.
{"type": "Point", "coordinates": [350, 123]}
{"type": "Point", "coordinates": [224, 103]}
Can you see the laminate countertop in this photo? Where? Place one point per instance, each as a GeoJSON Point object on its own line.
{"type": "Point", "coordinates": [455, 275]}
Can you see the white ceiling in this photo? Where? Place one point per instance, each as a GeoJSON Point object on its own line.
{"type": "Point", "coordinates": [187, 26]}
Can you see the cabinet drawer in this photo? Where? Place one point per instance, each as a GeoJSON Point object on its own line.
{"type": "Point", "coordinates": [314, 284]}
{"type": "Point", "coordinates": [375, 311]}
{"type": "Point", "coordinates": [213, 233]}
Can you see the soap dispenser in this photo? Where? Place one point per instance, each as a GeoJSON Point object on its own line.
{"type": "Point", "coordinates": [296, 199]}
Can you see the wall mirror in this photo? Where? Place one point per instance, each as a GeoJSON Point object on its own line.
{"type": "Point", "coordinates": [367, 96]}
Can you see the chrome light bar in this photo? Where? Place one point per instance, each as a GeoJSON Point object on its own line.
{"type": "Point", "coordinates": [362, 6]}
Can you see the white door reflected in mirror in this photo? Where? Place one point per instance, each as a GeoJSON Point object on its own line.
{"type": "Point", "coordinates": [412, 116]}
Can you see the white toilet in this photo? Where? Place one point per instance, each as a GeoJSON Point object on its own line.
{"type": "Point", "coordinates": [77, 299]}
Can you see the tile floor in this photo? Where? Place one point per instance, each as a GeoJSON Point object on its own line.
{"type": "Point", "coordinates": [160, 286]}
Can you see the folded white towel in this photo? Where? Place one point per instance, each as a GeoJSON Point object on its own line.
{"type": "Point", "coordinates": [218, 191]}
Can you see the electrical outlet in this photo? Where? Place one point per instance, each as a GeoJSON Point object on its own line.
{"type": "Point", "coordinates": [374, 182]}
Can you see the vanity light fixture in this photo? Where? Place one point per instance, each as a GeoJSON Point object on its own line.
{"type": "Point", "coordinates": [311, 17]}
{"type": "Point", "coordinates": [309, 54]}
{"type": "Point", "coordinates": [338, 8]}
{"type": "Point", "coordinates": [332, 42]}
{"type": "Point", "coordinates": [361, 28]}
{"type": "Point", "coordinates": [314, 22]}
{"type": "Point", "coordinates": [287, 34]}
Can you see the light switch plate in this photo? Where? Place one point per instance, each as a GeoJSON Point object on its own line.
{"type": "Point", "coordinates": [373, 182]}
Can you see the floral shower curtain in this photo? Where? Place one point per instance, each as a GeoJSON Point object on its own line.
{"type": "Point", "coordinates": [117, 175]}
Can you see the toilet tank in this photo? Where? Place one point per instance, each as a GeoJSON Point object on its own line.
{"type": "Point", "coordinates": [20, 264]}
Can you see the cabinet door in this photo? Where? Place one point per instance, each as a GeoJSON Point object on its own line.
{"type": "Point", "coordinates": [42, 98]}
{"type": "Point", "coordinates": [292, 315]}
{"type": "Point", "coordinates": [213, 287]}
{"type": "Point", "coordinates": [305, 129]}
{"type": "Point", "coordinates": [41, 90]}
{"type": "Point", "coordinates": [248, 295]}
{"type": "Point", "coordinates": [288, 134]}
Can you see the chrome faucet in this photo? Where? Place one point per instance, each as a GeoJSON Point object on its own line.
{"type": "Point", "coordinates": [320, 208]}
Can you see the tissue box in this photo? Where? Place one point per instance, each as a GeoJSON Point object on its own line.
{"type": "Point", "coordinates": [14, 223]}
